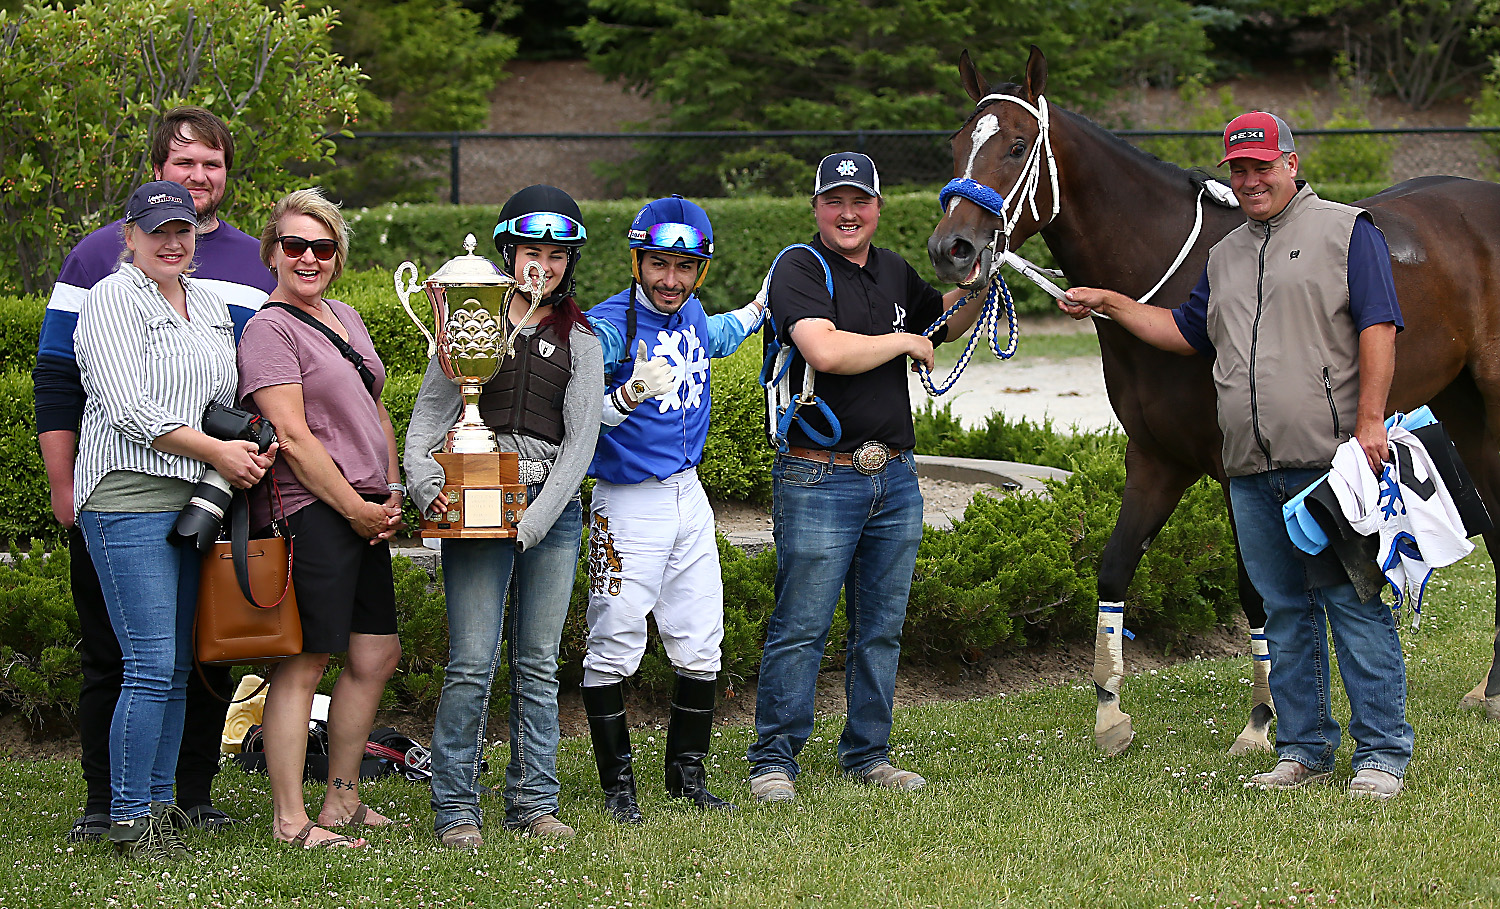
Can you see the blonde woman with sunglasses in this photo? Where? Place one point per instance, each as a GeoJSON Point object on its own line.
{"type": "Point", "coordinates": [307, 363]}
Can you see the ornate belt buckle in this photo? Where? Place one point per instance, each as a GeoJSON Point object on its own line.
{"type": "Point", "coordinates": [871, 458]}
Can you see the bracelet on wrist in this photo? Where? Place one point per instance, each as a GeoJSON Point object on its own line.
{"type": "Point", "coordinates": [398, 487]}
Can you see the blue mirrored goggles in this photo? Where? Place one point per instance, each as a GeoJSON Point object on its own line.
{"type": "Point", "coordinates": [671, 237]}
{"type": "Point", "coordinates": [544, 225]}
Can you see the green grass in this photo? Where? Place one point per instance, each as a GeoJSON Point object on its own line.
{"type": "Point", "coordinates": [1021, 811]}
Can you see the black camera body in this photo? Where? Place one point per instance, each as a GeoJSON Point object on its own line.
{"type": "Point", "coordinates": [200, 519]}
{"type": "Point", "coordinates": [232, 424]}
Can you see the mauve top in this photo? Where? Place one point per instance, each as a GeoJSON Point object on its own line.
{"type": "Point", "coordinates": [279, 349]}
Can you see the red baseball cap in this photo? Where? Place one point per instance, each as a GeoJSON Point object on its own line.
{"type": "Point", "coordinates": [1259, 135]}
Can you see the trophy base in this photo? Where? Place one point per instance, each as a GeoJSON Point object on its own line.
{"type": "Point", "coordinates": [485, 497]}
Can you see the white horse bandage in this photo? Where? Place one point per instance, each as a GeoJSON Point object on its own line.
{"type": "Point", "coordinates": [1109, 659]}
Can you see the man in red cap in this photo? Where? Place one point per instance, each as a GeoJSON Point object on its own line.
{"type": "Point", "coordinates": [1297, 309]}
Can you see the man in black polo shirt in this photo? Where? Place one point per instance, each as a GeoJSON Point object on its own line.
{"type": "Point", "coordinates": [848, 515]}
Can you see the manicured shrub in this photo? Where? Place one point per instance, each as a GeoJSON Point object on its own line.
{"type": "Point", "coordinates": [27, 510]}
{"type": "Point", "coordinates": [39, 660]}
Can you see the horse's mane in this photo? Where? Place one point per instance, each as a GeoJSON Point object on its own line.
{"type": "Point", "coordinates": [1194, 177]}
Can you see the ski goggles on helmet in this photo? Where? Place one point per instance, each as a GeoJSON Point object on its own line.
{"type": "Point", "coordinates": [544, 226]}
{"type": "Point", "coordinates": [672, 237]}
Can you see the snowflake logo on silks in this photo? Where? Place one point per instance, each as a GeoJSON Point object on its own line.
{"type": "Point", "coordinates": [848, 168]}
{"type": "Point", "coordinates": [1390, 501]}
{"type": "Point", "coordinates": [689, 363]}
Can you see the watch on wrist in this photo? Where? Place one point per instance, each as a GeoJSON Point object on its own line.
{"type": "Point", "coordinates": [398, 487]}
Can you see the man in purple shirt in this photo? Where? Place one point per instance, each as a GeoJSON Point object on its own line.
{"type": "Point", "coordinates": [193, 147]}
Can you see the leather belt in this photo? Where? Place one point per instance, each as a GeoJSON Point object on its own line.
{"type": "Point", "coordinates": [869, 459]}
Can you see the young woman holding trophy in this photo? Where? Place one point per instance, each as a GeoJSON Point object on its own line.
{"type": "Point", "coordinates": [542, 403]}
{"type": "Point", "coordinates": [307, 363]}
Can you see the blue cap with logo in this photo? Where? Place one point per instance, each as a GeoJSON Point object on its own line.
{"type": "Point", "coordinates": [847, 169]}
{"type": "Point", "coordinates": [158, 202]}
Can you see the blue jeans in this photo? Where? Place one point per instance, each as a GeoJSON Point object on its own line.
{"type": "Point", "coordinates": [477, 576]}
{"type": "Point", "coordinates": [151, 592]}
{"type": "Point", "coordinates": [1298, 622]}
{"type": "Point", "coordinates": [836, 528]}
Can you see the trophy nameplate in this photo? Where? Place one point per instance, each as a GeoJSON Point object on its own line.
{"type": "Point", "coordinates": [485, 497]}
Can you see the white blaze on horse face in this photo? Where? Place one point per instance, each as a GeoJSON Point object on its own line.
{"type": "Point", "coordinates": [984, 131]}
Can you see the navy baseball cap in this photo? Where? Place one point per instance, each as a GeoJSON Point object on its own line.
{"type": "Point", "coordinates": [847, 169]}
{"type": "Point", "coordinates": [158, 202]}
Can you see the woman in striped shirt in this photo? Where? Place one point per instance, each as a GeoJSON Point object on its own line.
{"type": "Point", "coordinates": [154, 348]}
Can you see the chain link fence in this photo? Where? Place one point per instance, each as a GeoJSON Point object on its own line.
{"type": "Point", "coordinates": [485, 168]}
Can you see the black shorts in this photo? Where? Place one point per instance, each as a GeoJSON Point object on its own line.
{"type": "Point", "coordinates": [343, 584]}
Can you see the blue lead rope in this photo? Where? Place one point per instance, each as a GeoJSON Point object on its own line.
{"type": "Point", "coordinates": [773, 376]}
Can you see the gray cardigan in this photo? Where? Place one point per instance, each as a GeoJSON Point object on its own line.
{"type": "Point", "coordinates": [439, 404]}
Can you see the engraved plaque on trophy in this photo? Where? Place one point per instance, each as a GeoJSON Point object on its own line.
{"type": "Point", "coordinates": [470, 298]}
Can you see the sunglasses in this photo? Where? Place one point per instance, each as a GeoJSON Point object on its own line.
{"type": "Point", "coordinates": [670, 236]}
{"type": "Point", "coordinates": [294, 247]}
{"type": "Point", "coordinates": [544, 225]}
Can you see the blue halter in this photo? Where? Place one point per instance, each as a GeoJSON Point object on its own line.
{"type": "Point", "coordinates": [976, 192]}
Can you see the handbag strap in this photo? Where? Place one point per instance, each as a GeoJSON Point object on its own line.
{"type": "Point", "coordinates": [344, 347]}
{"type": "Point", "coordinates": [239, 550]}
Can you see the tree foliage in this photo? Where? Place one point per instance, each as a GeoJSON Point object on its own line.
{"type": "Point", "coordinates": [81, 90]}
{"type": "Point", "coordinates": [847, 64]}
{"type": "Point", "coordinates": [431, 66]}
{"type": "Point", "coordinates": [1419, 50]}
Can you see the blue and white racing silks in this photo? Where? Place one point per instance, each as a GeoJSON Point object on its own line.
{"type": "Point", "coordinates": [666, 434]}
{"type": "Point", "coordinates": [1408, 506]}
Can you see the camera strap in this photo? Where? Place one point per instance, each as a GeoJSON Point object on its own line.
{"type": "Point", "coordinates": [344, 347]}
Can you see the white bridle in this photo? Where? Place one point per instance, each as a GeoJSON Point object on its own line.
{"type": "Point", "coordinates": [1022, 194]}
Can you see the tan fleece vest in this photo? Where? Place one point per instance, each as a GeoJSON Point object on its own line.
{"type": "Point", "coordinates": [1287, 364]}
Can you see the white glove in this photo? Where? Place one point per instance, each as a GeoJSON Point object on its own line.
{"type": "Point", "coordinates": [753, 314]}
{"type": "Point", "coordinates": [649, 379]}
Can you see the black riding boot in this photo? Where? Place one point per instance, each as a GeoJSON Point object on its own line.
{"type": "Point", "coordinates": [605, 706]}
{"type": "Point", "coordinates": [688, 738]}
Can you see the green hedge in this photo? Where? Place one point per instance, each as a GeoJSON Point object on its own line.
{"type": "Point", "coordinates": [1014, 570]}
{"type": "Point", "coordinates": [748, 233]}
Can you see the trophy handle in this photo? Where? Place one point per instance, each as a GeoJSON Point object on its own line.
{"type": "Point", "coordinates": [405, 294]}
{"type": "Point", "coordinates": [536, 281]}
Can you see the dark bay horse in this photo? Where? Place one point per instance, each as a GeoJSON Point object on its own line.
{"type": "Point", "coordinates": [1116, 217]}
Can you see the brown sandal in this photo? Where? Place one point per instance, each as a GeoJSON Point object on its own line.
{"type": "Point", "coordinates": [357, 819]}
{"type": "Point", "coordinates": [300, 840]}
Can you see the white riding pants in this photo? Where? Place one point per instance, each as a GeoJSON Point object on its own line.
{"type": "Point", "coordinates": [652, 552]}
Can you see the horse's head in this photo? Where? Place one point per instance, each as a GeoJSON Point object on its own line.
{"type": "Point", "coordinates": [1005, 181]}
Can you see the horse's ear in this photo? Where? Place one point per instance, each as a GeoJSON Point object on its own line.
{"type": "Point", "coordinates": [974, 83]}
{"type": "Point", "coordinates": [1036, 74]}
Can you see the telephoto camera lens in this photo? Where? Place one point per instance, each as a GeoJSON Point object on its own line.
{"type": "Point", "coordinates": [198, 522]}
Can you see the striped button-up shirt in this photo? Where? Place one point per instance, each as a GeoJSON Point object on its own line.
{"type": "Point", "coordinates": [147, 371]}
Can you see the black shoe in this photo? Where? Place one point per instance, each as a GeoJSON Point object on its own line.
{"type": "Point", "coordinates": [208, 818]}
{"type": "Point", "coordinates": [605, 706]}
{"type": "Point", "coordinates": [89, 828]}
{"type": "Point", "coordinates": [688, 738]}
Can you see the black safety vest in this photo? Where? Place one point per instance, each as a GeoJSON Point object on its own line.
{"type": "Point", "coordinates": [526, 394]}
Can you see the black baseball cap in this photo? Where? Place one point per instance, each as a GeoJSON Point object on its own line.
{"type": "Point", "coordinates": [158, 202]}
{"type": "Point", "coordinates": [847, 169]}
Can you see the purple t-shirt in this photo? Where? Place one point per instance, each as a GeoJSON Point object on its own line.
{"type": "Point", "coordinates": [279, 349]}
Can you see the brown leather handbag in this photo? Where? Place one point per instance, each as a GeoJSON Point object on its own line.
{"type": "Point", "coordinates": [234, 624]}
